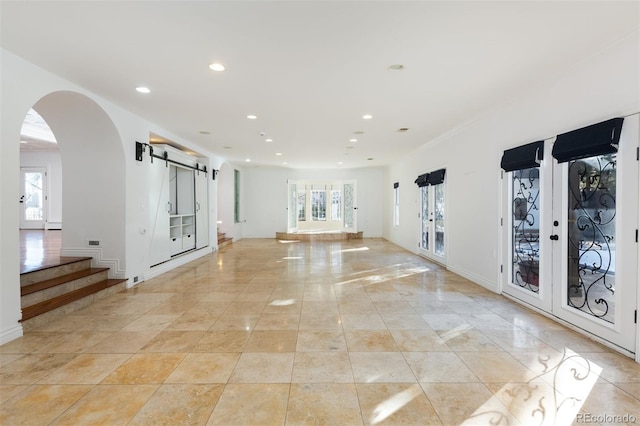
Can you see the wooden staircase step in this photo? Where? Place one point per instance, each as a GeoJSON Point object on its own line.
{"type": "Point", "coordinates": [53, 282]}
{"type": "Point", "coordinates": [56, 302]}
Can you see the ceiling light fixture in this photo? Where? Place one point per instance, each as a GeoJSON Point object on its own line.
{"type": "Point", "coordinates": [143, 89]}
{"type": "Point", "coordinates": [248, 160]}
{"type": "Point", "coordinates": [353, 140]}
{"type": "Point", "coordinates": [367, 117]}
{"type": "Point", "coordinates": [268, 140]}
{"type": "Point", "coordinates": [396, 67]}
{"type": "Point", "coordinates": [204, 132]}
{"type": "Point", "coordinates": [252, 117]}
{"type": "Point", "coordinates": [278, 153]}
{"type": "Point", "coordinates": [217, 67]}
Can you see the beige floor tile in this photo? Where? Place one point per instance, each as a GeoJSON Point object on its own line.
{"type": "Point", "coordinates": [222, 341]}
{"type": "Point", "coordinates": [263, 367]}
{"type": "Point", "coordinates": [405, 322]}
{"type": "Point", "coordinates": [176, 404]}
{"type": "Point", "coordinates": [496, 367]}
{"type": "Point", "coordinates": [40, 404]}
{"type": "Point", "coordinates": [244, 308]}
{"type": "Point", "coordinates": [123, 342]}
{"type": "Point", "coordinates": [6, 359]}
{"type": "Point", "coordinates": [380, 367]}
{"type": "Point", "coordinates": [320, 321]}
{"type": "Point", "coordinates": [144, 369]}
{"type": "Point", "coordinates": [370, 340]}
{"type": "Point", "coordinates": [323, 404]}
{"type": "Point", "coordinates": [9, 391]}
{"type": "Point", "coordinates": [395, 404]}
{"type": "Point", "coordinates": [278, 322]}
{"type": "Point", "coordinates": [32, 367]}
{"type": "Point", "coordinates": [272, 341]}
{"type": "Point", "coordinates": [469, 340]}
{"type": "Point", "coordinates": [456, 403]}
{"type": "Point", "coordinates": [632, 389]}
{"type": "Point", "coordinates": [86, 369]}
{"type": "Point", "coordinates": [321, 341]}
{"type": "Point", "coordinates": [29, 342]}
{"type": "Point", "coordinates": [362, 322]}
{"type": "Point", "coordinates": [173, 341]}
{"type": "Point", "coordinates": [74, 342]}
{"type": "Point", "coordinates": [251, 404]}
{"type": "Point", "coordinates": [322, 367]}
{"type": "Point", "coordinates": [97, 407]}
{"type": "Point", "coordinates": [605, 399]}
{"type": "Point", "coordinates": [204, 368]}
{"type": "Point", "coordinates": [419, 340]}
{"type": "Point", "coordinates": [193, 322]}
{"type": "Point", "coordinates": [151, 323]}
{"type": "Point", "coordinates": [439, 367]}
{"type": "Point", "coordinates": [235, 322]}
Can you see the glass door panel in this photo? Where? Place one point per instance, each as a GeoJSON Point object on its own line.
{"type": "Point", "coordinates": [292, 218]}
{"type": "Point", "coordinates": [350, 207]}
{"type": "Point", "coordinates": [33, 198]}
{"type": "Point", "coordinates": [424, 214]}
{"type": "Point", "coordinates": [438, 214]}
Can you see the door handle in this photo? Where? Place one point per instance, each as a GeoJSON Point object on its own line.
{"type": "Point", "coordinates": [554, 237]}
{"type": "Point", "coordinates": [22, 199]}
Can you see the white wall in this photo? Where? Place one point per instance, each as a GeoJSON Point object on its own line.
{"type": "Point", "coordinates": [603, 86]}
{"type": "Point", "coordinates": [52, 162]}
{"type": "Point", "coordinates": [265, 197]}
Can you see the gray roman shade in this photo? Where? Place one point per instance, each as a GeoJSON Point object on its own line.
{"type": "Point", "coordinates": [436, 177]}
{"type": "Point", "coordinates": [597, 139]}
{"type": "Point", "coordinates": [422, 180]}
{"type": "Point", "coordinates": [523, 157]}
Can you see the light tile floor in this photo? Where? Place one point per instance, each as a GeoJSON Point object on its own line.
{"type": "Point", "coordinates": [271, 333]}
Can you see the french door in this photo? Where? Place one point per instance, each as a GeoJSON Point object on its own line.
{"type": "Point", "coordinates": [33, 187]}
{"type": "Point", "coordinates": [571, 234]}
{"type": "Point", "coordinates": [432, 222]}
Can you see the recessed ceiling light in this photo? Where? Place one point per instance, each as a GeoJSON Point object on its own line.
{"type": "Point", "coordinates": [205, 132]}
{"type": "Point", "coordinates": [248, 160]}
{"type": "Point", "coordinates": [353, 140]}
{"type": "Point", "coordinates": [217, 67]}
{"type": "Point", "coordinates": [278, 153]}
{"type": "Point", "coordinates": [396, 67]}
{"type": "Point", "coordinates": [349, 147]}
{"type": "Point", "coordinates": [370, 159]}
{"type": "Point", "coordinates": [252, 117]}
{"type": "Point", "coordinates": [340, 163]}
{"type": "Point", "coordinates": [24, 142]}
{"type": "Point", "coordinates": [284, 164]}
{"type": "Point", "coordinates": [227, 147]}
{"type": "Point", "coordinates": [367, 116]}
{"type": "Point", "coordinates": [143, 89]}
{"type": "Point", "coordinates": [268, 140]}
{"type": "Point", "coordinates": [403, 129]}
{"type": "Point", "coordinates": [358, 132]}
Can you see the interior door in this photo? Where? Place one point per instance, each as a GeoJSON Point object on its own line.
{"type": "Point", "coordinates": [595, 270]}
{"type": "Point", "coordinates": [350, 203]}
{"type": "Point", "coordinates": [292, 209]}
{"type": "Point", "coordinates": [33, 187]}
{"type": "Point", "coordinates": [202, 209]}
{"type": "Point", "coordinates": [526, 222]}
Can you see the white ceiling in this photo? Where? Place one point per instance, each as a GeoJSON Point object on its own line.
{"type": "Point", "coordinates": [310, 70]}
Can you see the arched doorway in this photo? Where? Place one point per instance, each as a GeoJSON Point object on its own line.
{"type": "Point", "coordinates": [92, 158]}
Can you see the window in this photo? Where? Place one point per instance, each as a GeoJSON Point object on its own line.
{"type": "Point", "coordinates": [318, 204]}
{"type": "Point", "coordinates": [336, 205]}
{"type": "Point", "coordinates": [396, 204]}
{"type": "Point", "coordinates": [302, 203]}
{"type": "Point", "coordinates": [236, 196]}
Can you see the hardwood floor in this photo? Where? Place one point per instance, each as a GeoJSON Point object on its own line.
{"type": "Point", "coordinates": [39, 249]}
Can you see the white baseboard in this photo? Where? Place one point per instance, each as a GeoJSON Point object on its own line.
{"type": "Point", "coordinates": [172, 264]}
{"type": "Point", "coordinates": [11, 334]}
{"type": "Point", "coordinates": [98, 261]}
{"type": "Point", "coordinates": [475, 278]}
{"type": "Point", "coordinates": [49, 226]}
